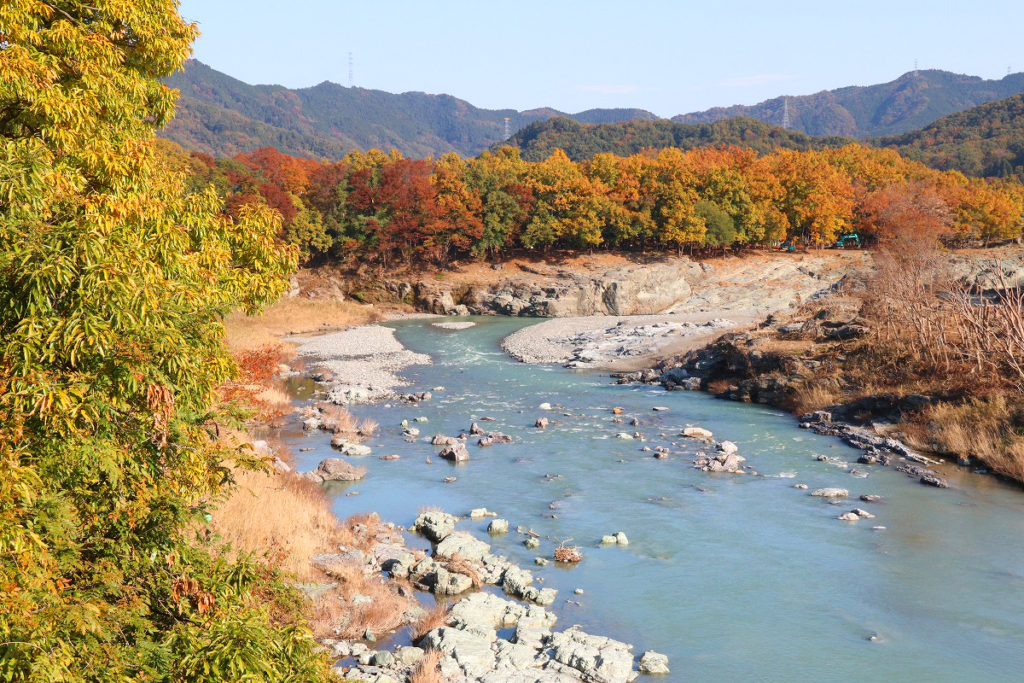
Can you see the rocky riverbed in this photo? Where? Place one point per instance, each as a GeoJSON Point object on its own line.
{"type": "Point", "coordinates": [529, 648]}
{"type": "Point", "coordinates": [360, 364]}
{"type": "Point", "coordinates": [665, 493]}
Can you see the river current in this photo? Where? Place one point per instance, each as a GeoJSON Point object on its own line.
{"type": "Point", "coordinates": [734, 577]}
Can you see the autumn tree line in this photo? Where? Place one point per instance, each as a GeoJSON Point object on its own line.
{"type": "Point", "coordinates": [387, 209]}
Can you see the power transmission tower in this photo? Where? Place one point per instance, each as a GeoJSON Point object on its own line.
{"type": "Point", "coordinates": [915, 67]}
{"type": "Point", "coordinates": [351, 71]}
{"type": "Point", "coordinates": [785, 113]}
{"type": "Point", "coordinates": [508, 128]}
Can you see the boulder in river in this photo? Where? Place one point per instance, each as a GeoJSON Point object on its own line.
{"type": "Point", "coordinates": [337, 469]}
{"type": "Point", "coordinates": [830, 493]}
{"type": "Point", "coordinates": [498, 526]}
{"type": "Point", "coordinates": [493, 438]}
{"type": "Point", "coordinates": [435, 525]}
{"type": "Point", "coordinates": [697, 433]}
{"type": "Point", "coordinates": [441, 440]}
{"type": "Point", "coordinates": [541, 423]}
{"type": "Point", "coordinates": [455, 453]}
{"type": "Point", "coordinates": [475, 430]}
{"type": "Point", "coordinates": [727, 447]}
{"type": "Point", "coordinates": [596, 658]}
{"type": "Point", "coordinates": [652, 663]}
{"type": "Point", "coordinates": [933, 480]}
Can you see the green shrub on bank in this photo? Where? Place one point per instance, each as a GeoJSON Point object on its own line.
{"type": "Point", "coordinates": [113, 287]}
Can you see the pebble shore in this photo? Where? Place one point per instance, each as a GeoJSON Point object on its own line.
{"type": "Point", "coordinates": [604, 342]}
{"type": "Point", "coordinates": [366, 360]}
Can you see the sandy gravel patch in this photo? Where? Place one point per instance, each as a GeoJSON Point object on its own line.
{"type": "Point", "coordinates": [619, 343]}
{"type": "Point", "coordinates": [365, 361]}
{"type": "Point", "coordinates": [454, 326]}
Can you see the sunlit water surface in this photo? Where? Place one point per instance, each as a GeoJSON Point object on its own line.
{"type": "Point", "coordinates": [736, 578]}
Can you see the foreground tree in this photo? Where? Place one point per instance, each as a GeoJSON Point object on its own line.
{"type": "Point", "coordinates": [113, 285]}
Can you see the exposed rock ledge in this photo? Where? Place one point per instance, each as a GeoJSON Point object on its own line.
{"type": "Point", "coordinates": [674, 285]}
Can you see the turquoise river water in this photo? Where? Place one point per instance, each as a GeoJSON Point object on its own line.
{"type": "Point", "coordinates": [735, 578]}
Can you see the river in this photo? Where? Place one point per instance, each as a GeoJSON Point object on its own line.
{"type": "Point", "coordinates": [735, 578]}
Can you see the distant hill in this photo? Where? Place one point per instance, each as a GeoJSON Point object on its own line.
{"type": "Point", "coordinates": [987, 140]}
{"type": "Point", "coordinates": [223, 116]}
{"type": "Point", "coordinates": [581, 140]}
{"type": "Point", "coordinates": [912, 101]}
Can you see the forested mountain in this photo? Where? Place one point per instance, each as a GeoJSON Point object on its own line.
{"type": "Point", "coordinates": [912, 101]}
{"type": "Point", "coordinates": [581, 140]}
{"type": "Point", "coordinates": [987, 140]}
{"type": "Point", "coordinates": [223, 116]}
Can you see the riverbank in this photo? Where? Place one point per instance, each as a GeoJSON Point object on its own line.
{"type": "Point", "coordinates": [825, 365]}
{"type": "Point", "coordinates": [619, 343]}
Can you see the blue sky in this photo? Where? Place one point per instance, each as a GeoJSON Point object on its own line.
{"type": "Point", "coordinates": [668, 57]}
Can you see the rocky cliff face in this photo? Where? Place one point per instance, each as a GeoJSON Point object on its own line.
{"type": "Point", "coordinates": [673, 286]}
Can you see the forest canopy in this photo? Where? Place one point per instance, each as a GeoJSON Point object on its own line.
{"type": "Point", "coordinates": [387, 209]}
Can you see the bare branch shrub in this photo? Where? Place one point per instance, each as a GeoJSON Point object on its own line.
{"type": "Point", "coordinates": [569, 554]}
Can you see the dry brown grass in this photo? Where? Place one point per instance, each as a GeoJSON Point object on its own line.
{"type": "Point", "coordinates": [718, 386]}
{"type": "Point", "coordinates": [274, 399]}
{"type": "Point", "coordinates": [460, 565]}
{"type": "Point", "coordinates": [813, 396]}
{"type": "Point", "coordinates": [984, 429]}
{"type": "Point", "coordinates": [293, 315]}
{"type": "Point", "coordinates": [280, 517]}
{"type": "Point", "coordinates": [570, 554]}
{"type": "Point", "coordinates": [346, 423]}
{"type": "Point", "coordinates": [336, 614]}
{"type": "Point", "coordinates": [428, 670]}
{"type": "Point", "coordinates": [437, 616]}
{"type": "Point", "coordinates": [367, 427]}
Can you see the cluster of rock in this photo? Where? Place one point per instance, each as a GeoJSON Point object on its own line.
{"type": "Point", "coordinates": [461, 549]}
{"type": "Point", "coordinates": [454, 325]}
{"type": "Point", "coordinates": [878, 449]}
{"type": "Point", "coordinates": [359, 365]}
{"type": "Point", "coordinates": [454, 447]}
{"type": "Point", "coordinates": [561, 292]}
{"type": "Point", "coordinates": [727, 458]}
{"type": "Point", "coordinates": [317, 417]}
{"type": "Point", "coordinates": [418, 397]}
{"type": "Point", "coordinates": [471, 647]}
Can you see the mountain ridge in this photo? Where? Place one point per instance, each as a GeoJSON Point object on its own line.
{"type": "Point", "coordinates": [224, 116]}
{"type": "Point", "coordinates": [910, 102]}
